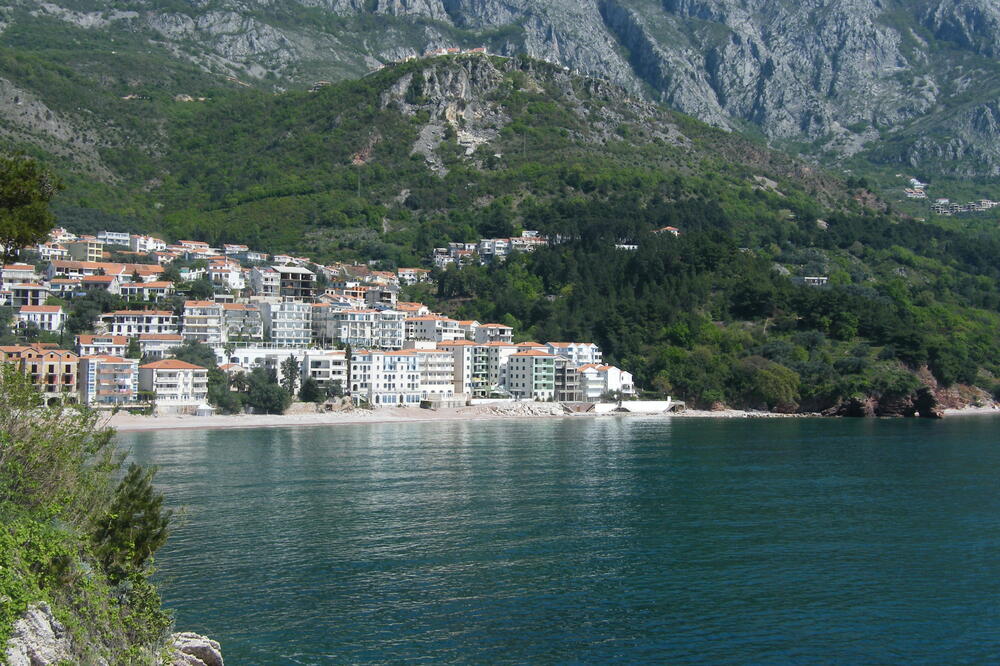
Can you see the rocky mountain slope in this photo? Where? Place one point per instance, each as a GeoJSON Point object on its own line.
{"type": "Point", "coordinates": [909, 82]}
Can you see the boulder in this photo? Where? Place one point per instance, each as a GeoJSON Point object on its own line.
{"type": "Point", "coordinates": [39, 639]}
{"type": "Point", "coordinates": [190, 649]}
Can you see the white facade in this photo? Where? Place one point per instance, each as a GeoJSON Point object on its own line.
{"type": "Point", "coordinates": [158, 345]}
{"type": "Point", "coordinates": [101, 345]}
{"type": "Point", "coordinates": [288, 323]}
{"type": "Point", "coordinates": [243, 322]}
{"type": "Point", "coordinates": [108, 380]}
{"type": "Point", "coordinates": [178, 386]}
{"type": "Point", "coordinates": [580, 353]}
{"type": "Point", "coordinates": [264, 281]}
{"type": "Point", "coordinates": [114, 238]}
{"type": "Point", "coordinates": [45, 317]}
{"type": "Point", "coordinates": [326, 367]}
{"type": "Point", "coordinates": [486, 333]}
{"type": "Point", "coordinates": [362, 328]}
{"type": "Point", "coordinates": [434, 328]}
{"type": "Point", "coordinates": [138, 322]}
{"type": "Point", "coordinates": [203, 321]}
{"type": "Point", "coordinates": [146, 244]}
{"type": "Point", "coordinates": [531, 374]}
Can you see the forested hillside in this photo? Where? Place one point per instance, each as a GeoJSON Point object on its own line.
{"type": "Point", "coordinates": [390, 166]}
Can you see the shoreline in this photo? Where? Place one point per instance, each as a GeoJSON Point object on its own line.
{"type": "Point", "coordinates": [124, 422]}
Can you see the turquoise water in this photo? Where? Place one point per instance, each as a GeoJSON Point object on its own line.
{"type": "Point", "coordinates": [588, 540]}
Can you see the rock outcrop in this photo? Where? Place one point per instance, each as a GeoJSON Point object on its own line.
{"type": "Point", "coordinates": [921, 403]}
{"type": "Point", "coordinates": [190, 649]}
{"type": "Point", "coordinates": [39, 639]}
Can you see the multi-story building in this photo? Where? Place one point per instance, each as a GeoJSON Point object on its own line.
{"type": "Point", "coordinates": [384, 296]}
{"type": "Point", "coordinates": [146, 244]}
{"type": "Point", "coordinates": [45, 317]}
{"type": "Point", "coordinates": [108, 381]}
{"type": "Point", "coordinates": [580, 353]}
{"type": "Point", "coordinates": [114, 238]}
{"type": "Point", "coordinates": [409, 276]}
{"type": "Point", "coordinates": [53, 372]}
{"type": "Point", "coordinates": [85, 248]}
{"type": "Point", "coordinates": [178, 386]}
{"type": "Point", "coordinates": [109, 283]}
{"type": "Point", "coordinates": [227, 275]}
{"type": "Point", "coordinates": [155, 346]}
{"type": "Point", "coordinates": [599, 380]}
{"type": "Point", "coordinates": [497, 355]}
{"type": "Point", "coordinates": [296, 282]}
{"type": "Point", "coordinates": [486, 333]}
{"type": "Point", "coordinates": [327, 367]}
{"type": "Point", "coordinates": [101, 345]}
{"type": "Point", "coordinates": [567, 381]}
{"type": "Point", "coordinates": [12, 274]}
{"type": "Point", "coordinates": [437, 373]}
{"type": "Point", "coordinates": [28, 293]}
{"type": "Point", "coordinates": [386, 377]}
{"type": "Point", "coordinates": [465, 355]}
{"type": "Point", "coordinates": [243, 322]}
{"type": "Point", "coordinates": [288, 323]}
{"type": "Point", "coordinates": [50, 251]}
{"type": "Point", "coordinates": [138, 322]}
{"type": "Point", "coordinates": [203, 321]}
{"type": "Point", "coordinates": [531, 374]}
{"type": "Point", "coordinates": [435, 328]}
{"type": "Point", "coordinates": [363, 328]}
{"type": "Point", "coordinates": [264, 281]}
{"type": "Point", "coordinates": [147, 291]}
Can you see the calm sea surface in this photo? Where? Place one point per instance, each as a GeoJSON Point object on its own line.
{"type": "Point", "coordinates": [589, 540]}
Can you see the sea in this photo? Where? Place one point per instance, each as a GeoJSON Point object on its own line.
{"type": "Point", "coordinates": [586, 540]}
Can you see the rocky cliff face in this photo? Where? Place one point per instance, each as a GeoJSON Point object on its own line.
{"type": "Point", "coordinates": [830, 77]}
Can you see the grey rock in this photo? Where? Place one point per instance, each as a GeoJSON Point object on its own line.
{"type": "Point", "coordinates": [39, 639]}
{"type": "Point", "coordinates": [190, 649]}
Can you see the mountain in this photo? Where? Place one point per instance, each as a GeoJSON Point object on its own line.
{"type": "Point", "coordinates": [889, 82]}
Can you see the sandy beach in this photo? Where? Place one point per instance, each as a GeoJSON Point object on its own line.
{"type": "Point", "coordinates": [124, 422]}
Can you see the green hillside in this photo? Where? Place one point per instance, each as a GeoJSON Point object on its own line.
{"type": "Point", "coordinates": [387, 167]}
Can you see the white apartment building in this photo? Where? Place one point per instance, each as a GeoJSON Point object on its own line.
{"type": "Point", "coordinates": [12, 274]}
{"type": "Point", "coordinates": [386, 377]}
{"type": "Point", "coordinates": [108, 380]}
{"type": "Point", "coordinates": [50, 251]}
{"type": "Point", "coordinates": [158, 345]}
{"type": "Point", "coordinates": [146, 244]}
{"type": "Point", "coordinates": [261, 355]}
{"type": "Point", "coordinates": [45, 317]}
{"type": "Point", "coordinates": [101, 345]}
{"type": "Point", "coordinates": [580, 353]}
{"type": "Point", "coordinates": [327, 367]}
{"type": "Point", "coordinates": [203, 321]}
{"type": "Point", "coordinates": [434, 328]}
{"type": "Point", "coordinates": [531, 374]}
{"type": "Point", "coordinates": [264, 281]}
{"type": "Point", "coordinates": [487, 333]}
{"type": "Point", "coordinates": [407, 276]}
{"type": "Point", "coordinates": [467, 360]}
{"type": "Point", "coordinates": [227, 275]}
{"type": "Point", "coordinates": [178, 386]}
{"type": "Point", "coordinates": [114, 238]}
{"type": "Point", "coordinates": [243, 322]}
{"type": "Point", "coordinates": [597, 380]}
{"type": "Point", "coordinates": [365, 328]}
{"type": "Point", "coordinates": [497, 355]}
{"type": "Point", "coordinates": [138, 322]}
{"type": "Point", "coordinates": [288, 323]}
{"type": "Point", "coordinates": [147, 291]}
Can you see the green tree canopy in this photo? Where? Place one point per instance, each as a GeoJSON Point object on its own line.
{"type": "Point", "coordinates": [26, 188]}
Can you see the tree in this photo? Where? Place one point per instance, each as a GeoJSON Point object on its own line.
{"type": "Point", "coordinates": [202, 289]}
{"type": "Point", "coordinates": [198, 353]}
{"type": "Point", "coordinates": [134, 526]}
{"type": "Point", "coordinates": [310, 391]}
{"type": "Point", "coordinates": [26, 188]}
{"type": "Point", "coordinates": [134, 350]}
{"type": "Point", "coordinates": [289, 374]}
{"type": "Point", "coordinates": [264, 394]}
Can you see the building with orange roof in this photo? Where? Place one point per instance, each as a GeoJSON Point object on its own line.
{"type": "Point", "coordinates": [46, 317]}
{"type": "Point", "coordinates": [436, 328]}
{"type": "Point", "coordinates": [28, 293]}
{"type": "Point", "coordinates": [203, 321]}
{"type": "Point", "coordinates": [53, 372]}
{"type": "Point", "coordinates": [101, 345]}
{"type": "Point", "coordinates": [243, 322]}
{"type": "Point", "coordinates": [109, 283]}
{"type": "Point", "coordinates": [531, 374]}
{"type": "Point", "coordinates": [108, 381]}
{"type": "Point", "coordinates": [401, 377]}
{"type": "Point", "coordinates": [154, 346]}
{"type": "Point", "coordinates": [154, 291]}
{"type": "Point", "coordinates": [17, 274]}
{"type": "Point", "coordinates": [138, 322]}
{"type": "Point", "coordinates": [580, 353]}
{"type": "Point", "coordinates": [494, 333]}
{"type": "Point", "coordinates": [177, 386]}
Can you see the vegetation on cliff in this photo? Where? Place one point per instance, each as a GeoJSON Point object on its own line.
{"type": "Point", "coordinates": [75, 532]}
